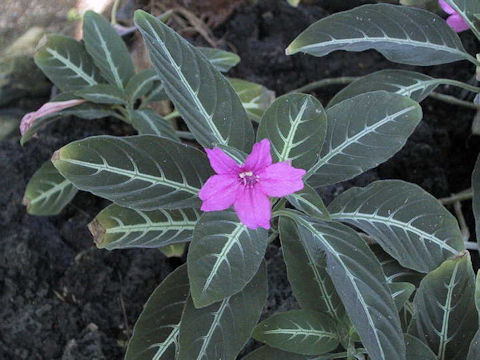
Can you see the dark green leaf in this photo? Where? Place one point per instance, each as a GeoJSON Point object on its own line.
{"type": "Point", "coordinates": [219, 331]}
{"type": "Point", "coordinates": [116, 227]}
{"type": "Point", "coordinates": [308, 201]}
{"type": "Point", "coordinates": [299, 331]}
{"type": "Point", "coordinates": [474, 351]}
{"type": "Point", "coordinates": [416, 86]}
{"type": "Point", "coordinates": [223, 257]}
{"type": "Point", "coordinates": [48, 192]}
{"type": "Point", "coordinates": [103, 94]}
{"type": "Point", "coordinates": [141, 172]}
{"type": "Point", "coordinates": [204, 98]}
{"type": "Point", "coordinates": [296, 126]}
{"type": "Point", "coordinates": [307, 274]}
{"type": "Point", "coordinates": [221, 59]}
{"type": "Point", "coordinates": [444, 304]}
{"type": "Point", "coordinates": [140, 84]}
{"type": "Point", "coordinates": [155, 335]}
{"type": "Point", "coordinates": [359, 281]}
{"type": "Point", "coordinates": [402, 34]}
{"type": "Point", "coordinates": [417, 350]}
{"type": "Point", "coordinates": [476, 197]}
{"type": "Point", "coordinates": [363, 132]}
{"type": "Point", "coordinates": [107, 49]}
{"type": "Point", "coordinates": [147, 121]}
{"type": "Point", "coordinates": [269, 353]}
{"type": "Point", "coordinates": [401, 292]}
{"type": "Point", "coordinates": [255, 98]}
{"type": "Point", "coordinates": [66, 63]}
{"type": "Point", "coordinates": [408, 223]}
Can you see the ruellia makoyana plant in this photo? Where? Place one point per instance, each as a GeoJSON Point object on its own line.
{"type": "Point", "coordinates": [381, 273]}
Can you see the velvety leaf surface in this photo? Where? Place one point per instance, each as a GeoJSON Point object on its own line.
{"type": "Point", "coordinates": [310, 202]}
{"type": "Point", "coordinates": [222, 60]}
{"type": "Point", "coordinates": [102, 94]}
{"type": "Point", "coordinates": [417, 350]}
{"type": "Point", "coordinates": [415, 85]}
{"type": "Point", "coordinates": [107, 49]}
{"type": "Point", "coordinates": [140, 84]}
{"type": "Point", "coordinates": [474, 350]}
{"type": "Point", "coordinates": [204, 98]}
{"type": "Point", "coordinates": [148, 122]}
{"type": "Point", "coordinates": [307, 274]}
{"type": "Point", "coordinates": [48, 192]}
{"type": "Point", "coordinates": [444, 305]}
{"type": "Point", "coordinates": [299, 331]}
{"type": "Point", "coordinates": [402, 34]}
{"type": "Point", "coordinates": [66, 63]}
{"type": "Point", "coordinates": [155, 335]}
{"type": "Point", "coordinates": [255, 98]}
{"type": "Point", "coordinates": [296, 126]}
{"type": "Point", "coordinates": [408, 223]}
{"type": "Point", "coordinates": [359, 281]}
{"type": "Point", "coordinates": [219, 331]}
{"type": "Point", "coordinates": [141, 172]}
{"type": "Point", "coordinates": [476, 197]}
{"type": "Point", "coordinates": [401, 292]}
{"type": "Point", "coordinates": [266, 353]}
{"type": "Point", "coordinates": [117, 227]}
{"type": "Point", "coordinates": [223, 256]}
{"type": "Point", "coordinates": [363, 132]}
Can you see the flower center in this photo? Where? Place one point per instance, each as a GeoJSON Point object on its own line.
{"type": "Point", "coordinates": [248, 178]}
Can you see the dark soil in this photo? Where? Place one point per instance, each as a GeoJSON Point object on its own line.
{"type": "Point", "coordinates": [61, 298]}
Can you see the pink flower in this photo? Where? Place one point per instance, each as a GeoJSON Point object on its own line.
{"type": "Point", "coordinates": [46, 109]}
{"type": "Point", "coordinates": [455, 21]}
{"type": "Point", "coordinates": [248, 186]}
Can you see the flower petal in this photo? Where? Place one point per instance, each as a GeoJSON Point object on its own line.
{"type": "Point", "coordinates": [457, 23]}
{"type": "Point", "coordinates": [447, 8]}
{"type": "Point", "coordinates": [253, 207]}
{"type": "Point", "coordinates": [219, 192]}
{"type": "Point", "coordinates": [281, 179]}
{"type": "Point", "coordinates": [221, 162]}
{"type": "Point", "coordinates": [260, 157]}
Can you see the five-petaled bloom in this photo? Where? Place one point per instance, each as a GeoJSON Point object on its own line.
{"type": "Point", "coordinates": [455, 21]}
{"type": "Point", "coordinates": [248, 186]}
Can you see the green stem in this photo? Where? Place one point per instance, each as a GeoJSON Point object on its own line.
{"type": "Point", "coordinates": [185, 134]}
{"type": "Point", "coordinates": [174, 114]}
{"type": "Point", "coordinates": [453, 100]}
{"type": "Point", "coordinates": [344, 80]}
{"type": "Point", "coordinates": [113, 16]}
{"type": "Point", "coordinates": [272, 236]}
{"type": "Point", "coordinates": [461, 84]}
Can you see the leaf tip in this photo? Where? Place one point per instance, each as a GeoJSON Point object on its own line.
{"type": "Point", "coordinates": [98, 232]}
{"type": "Point", "coordinates": [55, 157]}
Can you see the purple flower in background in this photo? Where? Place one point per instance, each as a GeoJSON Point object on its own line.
{"type": "Point", "coordinates": [455, 21]}
{"type": "Point", "coordinates": [248, 186]}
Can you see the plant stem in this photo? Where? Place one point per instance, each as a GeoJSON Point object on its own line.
{"type": "Point", "coordinates": [113, 16]}
{"type": "Point", "coordinates": [185, 134]}
{"type": "Point", "coordinates": [453, 100]}
{"type": "Point", "coordinates": [461, 84]}
{"type": "Point", "coordinates": [461, 196]}
{"type": "Point", "coordinates": [344, 80]}
{"type": "Point", "coordinates": [174, 114]}
{"type": "Point", "coordinates": [272, 236]}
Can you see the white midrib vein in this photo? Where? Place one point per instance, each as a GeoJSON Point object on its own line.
{"type": "Point", "coordinates": [463, 13]}
{"type": "Point", "coordinates": [389, 39]}
{"type": "Point", "coordinates": [195, 98]}
{"type": "Point", "coordinates": [79, 71]}
{"type": "Point", "coordinates": [233, 239]}
{"type": "Point", "coordinates": [300, 332]}
{"type": "Point", "coordinates": [151, 227]}
{"type": "Point", "coordinates": [446, 316]}
{"type": "Point", "coordinates": [108, 57]}
{"type": "Point", "coordinates": [166, 344]}
{"type": "Point", "coordinates": [390, 221]}
{"type": "Point", "coordinates": [215, 322]}
{"type": "Point", "coordinates": [291, 134]}
{"type": "Point", "coordinates": [335, 151]}
{"type": "Point", "coordinates": [323, 289]}
{"type": "Point", "coordinates": [134, 174]}
{"type": "Point", "coordinates": [352, 281]}
{"type": "Point", "coordinates": [49, 192]}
